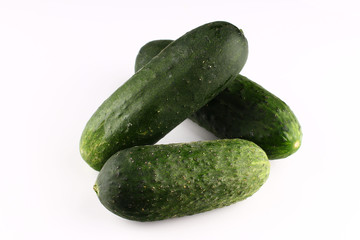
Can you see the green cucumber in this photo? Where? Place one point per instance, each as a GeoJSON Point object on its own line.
{"type": "Point", "coordinates": [177, 82]}
{"type": "Point", "coordinates": [155, 182]}
{"type": "Point", "coordinates": [243, 110]}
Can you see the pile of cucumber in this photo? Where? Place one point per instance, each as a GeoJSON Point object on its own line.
{"type": "Point", "coordinates": [196, 77]}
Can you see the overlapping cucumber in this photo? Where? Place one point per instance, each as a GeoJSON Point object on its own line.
{"type": "Point", "coordinates": [243, 110]}
{"type": "Point", "coordinates": [177, 82]}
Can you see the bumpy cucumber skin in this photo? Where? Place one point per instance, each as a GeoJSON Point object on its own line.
{"type": "Point", "coordinates": [243, 110]}
{"type": "Point", "coordinates": [177, 82]}
{"type": "Point", "coordinates": [156, 182]}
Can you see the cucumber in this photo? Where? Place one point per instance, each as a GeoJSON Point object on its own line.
{"type": "Point", "coordinates": [243, 110]}
{"type": "Point", "coordinates": [156, 182]}
{"type": "Point", "coordinates": [148, 51]}
{"type": "Point", "coordinates": [177, 82]}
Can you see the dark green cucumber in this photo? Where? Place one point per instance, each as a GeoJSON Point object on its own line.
{"type": "Point", "coordinates": [177, 82]}
{"type": "Point", "coordinates": [155, 182]}
{"type": "Point", "coordinates": [148, 51]}
{"type": "Point", "coordinates": [248, 111]}
{"type": "Point", "coordinates": [243, 110]}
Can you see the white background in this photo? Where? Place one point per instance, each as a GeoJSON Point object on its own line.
{"type": "Point", "coordinates": [59, 60]}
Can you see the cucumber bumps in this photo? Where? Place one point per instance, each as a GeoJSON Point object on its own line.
{"type": "Point", "coordinates": [243, 110]}
{"type": "Point", "coordinates": [148, 183]}
{"type": "Point", "coordinates": [181, 79]}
